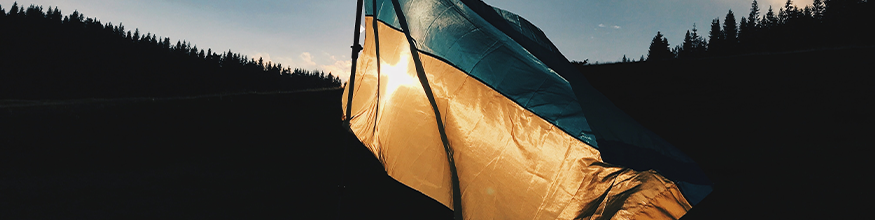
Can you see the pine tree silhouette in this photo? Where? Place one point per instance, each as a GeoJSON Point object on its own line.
{"type": "Point", "coordinates": [817, 9]}
{"type": "Point", "coordinates": [659, 48]}
{"type": "Point", "coordinates": [13, 11]}
{"type": "Point", "coordinates": [788, 12]}
{"type": "Point", "coordinates": [824, 23]}
{"type": "Point", "coordinates": [686, 46]}
{"type": "Point", "coordinates": [749, 33]}
{"type": "Point", "coordinates": [716, 39]}
{"type": "Point", "coordinates": [730, 33]}
{"type": "Point", "coordinates": [694, 46]}
{"type": "Point", "coordinates": [59, 57]}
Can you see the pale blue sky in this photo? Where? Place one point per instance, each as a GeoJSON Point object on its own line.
{"type": "Point", "coordinates": [316, 34]}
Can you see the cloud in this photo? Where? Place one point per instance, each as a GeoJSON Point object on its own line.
{"type": "Point", "coordinates": [285, 61]}
{"type": "Point", "coordinates": [264, 56]}
{"type": "Point", "coordinates": [339, 68]}
{"type": "Point", "coordinates": [307, 58]}
{"type": "Point", "coordinates": [776, 4]}
{"type": "Point", "coordinates": [612, 26]}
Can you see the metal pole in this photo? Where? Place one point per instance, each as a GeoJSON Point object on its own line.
{"type": "Point", "coordinates": [356, 48]}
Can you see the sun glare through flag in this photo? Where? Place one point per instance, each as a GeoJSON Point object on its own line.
{"type": "Point", "coordinates": [484, 115]}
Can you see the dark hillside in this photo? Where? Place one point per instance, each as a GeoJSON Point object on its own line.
{"type": "Point", "coordinates": [781, 135]}
{"type": "Point", "coordinates": [47, 55]}
{"type": "Point", "coordinates": [247, 156]}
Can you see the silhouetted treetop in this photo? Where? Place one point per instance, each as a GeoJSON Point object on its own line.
{"type": "Point", "coordinates": [730, 30]}
{"type": "Point", "coordinates": [659, 48]}
{"type": "Point", "coordinates": [825, 23]}
{"type": "Point", "coordinates": [48, 55]}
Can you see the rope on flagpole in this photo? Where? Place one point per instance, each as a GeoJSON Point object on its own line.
{"type": "Point", "coordinates": [376, 13]}
{"type": "Point", "coordinates": [420, 72]}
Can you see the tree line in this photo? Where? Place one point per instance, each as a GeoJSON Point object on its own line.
{"type": "Point", "coordinates": [825, 23]}
{"type": "Point", "coordinates": [44, 54]}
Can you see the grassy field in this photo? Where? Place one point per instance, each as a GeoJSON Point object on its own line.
{"type": "Point", "coordinates": [781, 135]}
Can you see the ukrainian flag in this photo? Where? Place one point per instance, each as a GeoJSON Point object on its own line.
{"type": "Point", "coordinates": [474, 107]}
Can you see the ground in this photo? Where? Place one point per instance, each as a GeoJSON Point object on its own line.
{"type": "Point", "coordinates": [785, 140]}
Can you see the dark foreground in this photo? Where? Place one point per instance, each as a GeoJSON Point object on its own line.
{"type": "Point", "coordinates": [256, 156]}
{"type": "Point", "coordinates": [784, 141]}
{"type": "Point", "coordinates": [783, 136]}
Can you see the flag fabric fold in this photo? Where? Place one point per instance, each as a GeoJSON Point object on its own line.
{"type": "Point", "coordinates": [526, 135]}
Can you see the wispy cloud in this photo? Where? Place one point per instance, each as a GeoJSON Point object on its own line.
{"type": "Point", "coordinates": [285, 61]}
{"type": "Point", "coordinates": [339, 68]}
{"type": "Point", "coordinates": [264, 56]}
{"type": "Point", "coordinates": [780, 3]}
{"type": "Point", "coordinates": [308, 59]}
{"type": "Point", "coordinates": [612, 26]}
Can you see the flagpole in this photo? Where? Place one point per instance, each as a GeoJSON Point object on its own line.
{"type": "Point", "coordinates": [356, 48]}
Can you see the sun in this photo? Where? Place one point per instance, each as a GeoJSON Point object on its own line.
{"type": "Point", "coordinates": [395, 76]}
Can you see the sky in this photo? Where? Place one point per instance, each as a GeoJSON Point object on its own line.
{"type": "Point", "coordinates": [317, 34]}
